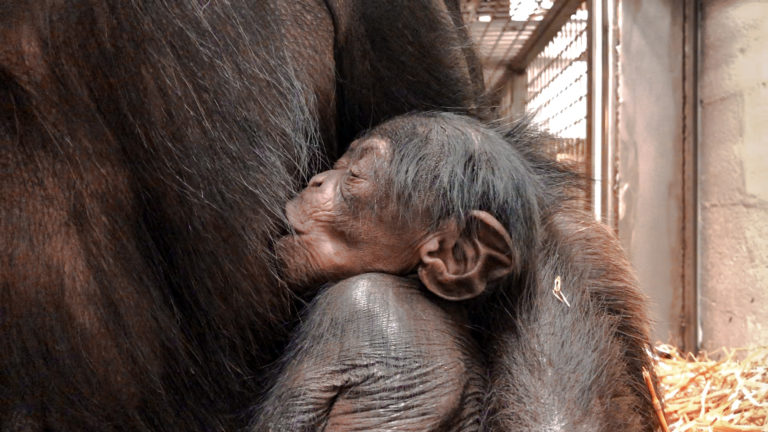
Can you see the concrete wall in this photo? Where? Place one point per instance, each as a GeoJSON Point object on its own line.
{"type": "Point", "coordinates": [650, 156]}
{"type": "Point", "coordinates": [733, 174]}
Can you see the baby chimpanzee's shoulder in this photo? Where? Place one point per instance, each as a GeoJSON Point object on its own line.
{"type": "Point", "coordinates": [381, 300]}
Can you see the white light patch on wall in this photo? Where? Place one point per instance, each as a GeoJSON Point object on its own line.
{"type": "Point", "coordinates": [484, 18]}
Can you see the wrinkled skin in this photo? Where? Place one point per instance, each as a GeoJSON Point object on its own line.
{"type": "Point", "coordinates": [344, 228]}
{"type": "Point", "coordinates": [147, 149]}
{"type": "Point", "coordinates": [370, 346]}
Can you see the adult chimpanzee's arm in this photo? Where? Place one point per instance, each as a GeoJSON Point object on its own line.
{"type": "Point", "coordinates": [397, 56]}
{"type": "Point", "coordinates": [375, 354]}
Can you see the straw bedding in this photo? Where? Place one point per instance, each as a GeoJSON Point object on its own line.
{"type": "Point", "coordinates": [724, 391]}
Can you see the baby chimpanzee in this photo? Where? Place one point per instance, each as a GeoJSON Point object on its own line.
{"type": "Point", "coordinates": [420, 195]}
{"type": "Point", "coordinates": [441, 199]}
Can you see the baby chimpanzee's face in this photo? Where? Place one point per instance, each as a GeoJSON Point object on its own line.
{"type": "Point", "coordinates": [344, 225]}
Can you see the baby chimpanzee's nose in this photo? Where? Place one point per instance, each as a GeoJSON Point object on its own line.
{"type": "Point", "coordinates": [318, 179]}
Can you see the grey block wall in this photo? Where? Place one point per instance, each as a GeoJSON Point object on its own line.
{"type": "Point", "coordinates": [733, 174]}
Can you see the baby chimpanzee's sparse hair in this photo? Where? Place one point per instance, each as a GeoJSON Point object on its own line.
{"type": "Point", "coordinates": [444, 166]}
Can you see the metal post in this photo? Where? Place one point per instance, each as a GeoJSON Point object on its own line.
{"type": "Point", "coordinates": [595, 103]}
{"type": "Point", "coordinates": [601, 134]}
{"type": "Point", "coordinates": [608, 159]}
{"type": "Point", "coordinates": [689, 317]}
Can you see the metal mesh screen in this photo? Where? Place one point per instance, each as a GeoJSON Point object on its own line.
{"type": "Point", "coordinates": [553, 85]}
{"type": "Point", "coordinates": [557, 89]}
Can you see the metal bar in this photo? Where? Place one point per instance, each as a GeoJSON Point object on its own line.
{"type": "Point", "coordinates": [689, 319]}
{"type": "Point", "coordinates": [595, 104]}
{"type": "Point", "coordinates": [609, 210]}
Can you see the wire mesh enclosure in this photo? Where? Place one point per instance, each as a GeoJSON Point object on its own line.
{"type": "Point", "coordinates": [535, 60]}
{"type": "Point", "coordinates": [557, 89]}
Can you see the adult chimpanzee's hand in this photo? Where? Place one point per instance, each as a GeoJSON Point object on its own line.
{"type": "Point", "coordinates": [375, 354]}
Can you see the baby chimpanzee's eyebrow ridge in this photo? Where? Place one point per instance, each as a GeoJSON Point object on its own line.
{"type": "Point", "coordinates": [360, 150]}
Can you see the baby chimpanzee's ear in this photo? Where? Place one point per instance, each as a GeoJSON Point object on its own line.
{"type": "Point", "coordinates": [458, 264]}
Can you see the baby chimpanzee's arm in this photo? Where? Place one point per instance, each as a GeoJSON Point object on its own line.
{"type": "Point", "coordinates": [375, 354]}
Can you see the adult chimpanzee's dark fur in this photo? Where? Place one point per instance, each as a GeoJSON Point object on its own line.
{"type": "Point", "coordinates": [553, 366]}
{"type": "Point", "coordinates": [146, 150]}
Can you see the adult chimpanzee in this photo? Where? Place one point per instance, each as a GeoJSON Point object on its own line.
{"type": "Point", "coordinates": [472, 214]}
{"type": "Point", "coordinates": [147, 148]}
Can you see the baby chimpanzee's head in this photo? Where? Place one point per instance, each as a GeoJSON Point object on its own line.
{"type": "Point", "coordinates": [436, 194]}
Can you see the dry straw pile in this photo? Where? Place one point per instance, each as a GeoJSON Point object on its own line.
{"type": "Point", "coordinates": [716, 392]}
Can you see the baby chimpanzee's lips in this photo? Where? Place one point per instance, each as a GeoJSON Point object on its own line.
{"type": "Point", "coordinates": [293, 220]}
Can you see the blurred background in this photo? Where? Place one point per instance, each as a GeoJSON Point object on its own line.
{"type": "Point", "coordinates": [665, 104]}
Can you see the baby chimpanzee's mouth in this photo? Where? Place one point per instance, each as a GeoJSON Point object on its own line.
{"type": "Point", "coordinates": [290, 217]}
